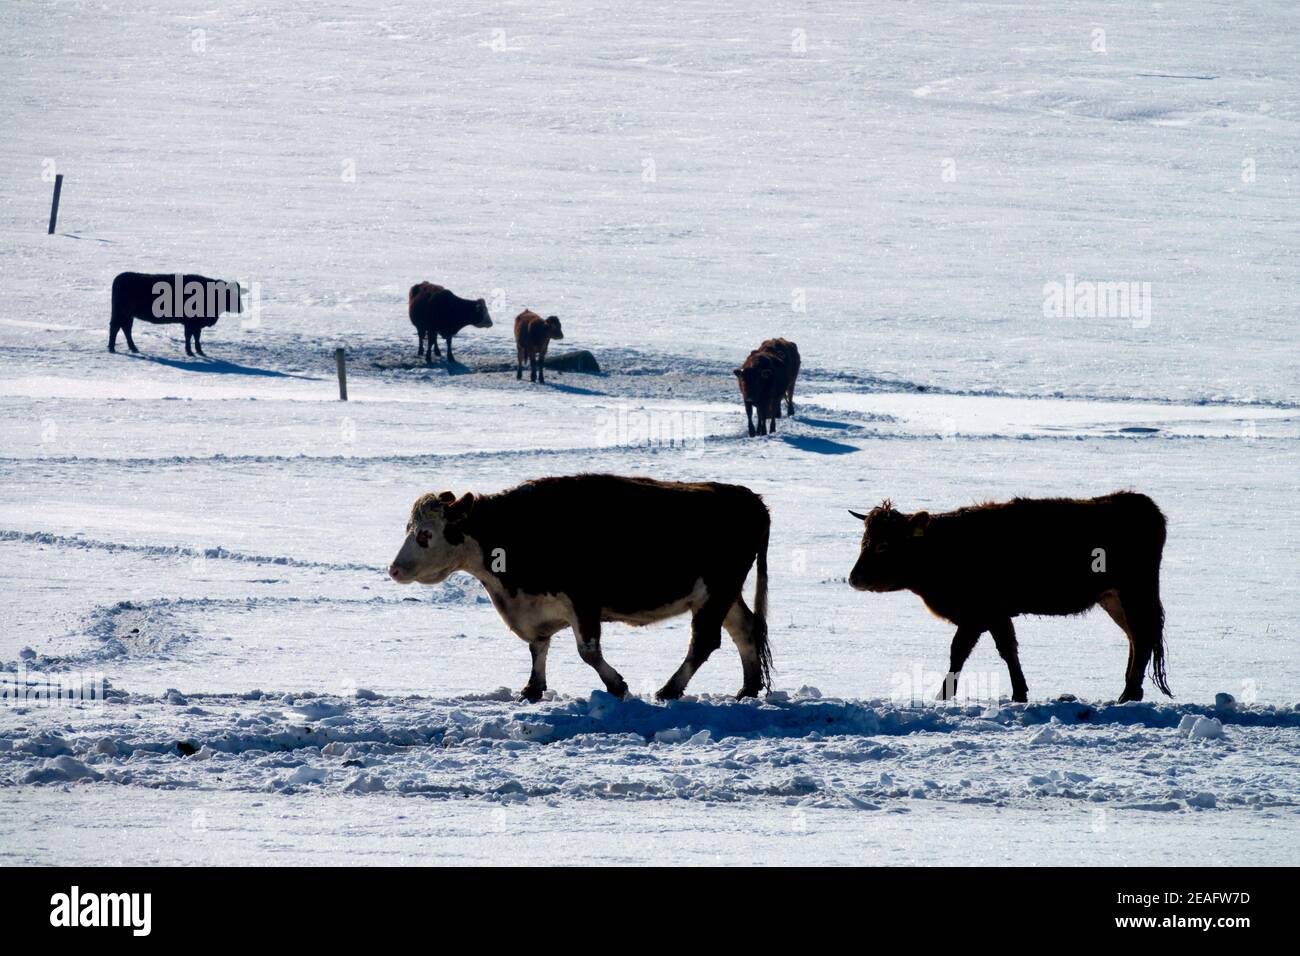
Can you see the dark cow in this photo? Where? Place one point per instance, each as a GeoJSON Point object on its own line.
{"type": "Point", "coordinates": [436, 311]}
{"type": "Point", "coordinates": [533, 335]}
{"type": "Point", "coordinates": [979, 567]}
{"type": "Point", "coordinates": [577, 551]}
{"type": "Point", "coordinates": [767, 376]}
{"type": "Point", "coordinates": [193, 301]}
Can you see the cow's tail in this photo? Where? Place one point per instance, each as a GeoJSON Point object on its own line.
{"type": "Point", "coordinates": [1158, 652]}
{"type": "Point", "coordinates": [760, 604]}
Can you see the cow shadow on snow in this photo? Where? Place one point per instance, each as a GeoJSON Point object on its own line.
{"type": "Point", "coordinates": [818, 445]}
{"type": "Point", "coordinates": [219, 367]}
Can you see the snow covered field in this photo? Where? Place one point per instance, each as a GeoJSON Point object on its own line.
{"type": "Point", "coordinates": [893, 186]}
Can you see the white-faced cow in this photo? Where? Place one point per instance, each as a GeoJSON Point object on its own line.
{"type": "Point", "coordinates": [582, 550]}
{"type": "Point", "coordinates": [192, 301]}
{"type": "Point", "coordinates": [767, 376]}
{"type": "Point", "coordinates": [533, 336]}
{"type": "Point", "coordinates": [979, 567]}
{"type": "Point", "coordinates": [436, 311]}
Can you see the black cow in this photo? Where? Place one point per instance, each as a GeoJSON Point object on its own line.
{"type": "Point", "coordinates": [436, 311]}
{"type": "Point", "coordinates": [193, 301]}
{"type": "Point", "coordinates": [979, 567]}
{"type": "Point", "coordinates": [577, 551]}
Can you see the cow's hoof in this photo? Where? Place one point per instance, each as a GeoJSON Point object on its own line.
{"type": "Point", "coordinates": [668, 692]}
{"type": "Point", "coordinates": [1128, 697]}
{"type": "Point", "coordinates": [1021, 698]}
{"type": "Point", "coordinates": [746, 692]}
{"type": "Point", "coordinates": [134, 350]}
{"type": "Point", "coordinates": [752, 433]}
{"type": "Point", "coordinates": [531, 694]}
{"type": "Point", "coordinates": [111, 349]}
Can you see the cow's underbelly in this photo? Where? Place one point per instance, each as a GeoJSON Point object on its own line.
{"type": "Point", "coordinates": [689, 603]}
{"type": "Point", "coordinates": [530, 615]}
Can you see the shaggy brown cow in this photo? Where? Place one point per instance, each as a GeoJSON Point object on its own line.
{"type": "Point", "coordinates": [979, 567]}
{"type": "Point", "coordinates": [767, 376]}
{"type": "Point", "coordinates": [192, 301]}
{"type": "Point", "coordinates": [577, 551]}
{"type": "Point", "coordinates": [533, 336]}
{"type": "Point", "coordinates": [436, 311]}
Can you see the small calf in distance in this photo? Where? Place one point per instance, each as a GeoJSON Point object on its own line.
{"type": "Point", "coordinates": [533, 335]}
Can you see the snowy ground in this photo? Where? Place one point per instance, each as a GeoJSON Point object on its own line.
{"type": "Point", "coordinates": [209, 536]}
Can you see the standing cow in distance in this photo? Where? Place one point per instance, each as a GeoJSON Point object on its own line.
{"type": "Point", "coordinates": [979, 567]}
{"type": "Point", "coordinates": [436, 311]}
{"type": "Point", "coordinates": [192, 301]}
{"type": "Point", "coordinates": [581, 550]}
{"type": "Point", "coordinates": [767, 376]}
{"type": "Point", "coordinates": [533, 336]}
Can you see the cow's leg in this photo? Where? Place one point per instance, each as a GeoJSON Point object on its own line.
{"type": "Point", "coordinates": [450, 358]}
{"type": "Point", "coordinates": [586, 628]}
{"type": "Point", "coordinates": [1141, 619]}
{"type": "Point", "coordinates": [963, 642]}
{"type": "Point", "coordinates": [198, 339]}
{"type": "Point", "coordinates": [532, 691]}
{"type": "Point", "coordinates": [1110, 602]}
{"type": "Point", "coordinates": [739, 623]}
{"type": "Point", "coordinates": [433, 344]}
{"type": "Point", "coordinates": [1004, 636]}
{"type": "Point", "coordinates": [532, 366]}
{"type": "Point", "coordinates": [749, 417]}
{"type": "Point", "coordinates": [126, 323]}
{"type": "Point", "coordinates": [189, 335]}
{"type": "Point", "coordinates": [113, 327]}
{"type": "Point", "coordinates": [706, 636]}
{"type": "Point", "coordinates": [519, 365]}
{"type": "Point", "coordinates": [419, 348]}
{"type": "Point", "coordinates": [541, 367]}
{"type": "Point", "coordinates": [789, 402]}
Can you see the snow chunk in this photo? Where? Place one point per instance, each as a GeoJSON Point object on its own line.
{"type": "Point", "coordinates": [1048, 735]}
{"type": "Point", "coordinates": [1202, 801]}
{"type": "Point", "coordinates": [1205, 728]}
{"type": "Point", "coordinates": [62, 769]}
{"type": "Point", "coordinates": [365, 783]}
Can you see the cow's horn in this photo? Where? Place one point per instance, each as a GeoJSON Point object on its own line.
{"type": "Point", "coordinates": [858, 516]}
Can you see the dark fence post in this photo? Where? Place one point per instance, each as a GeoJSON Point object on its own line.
{"type": "Point", "coordinates": [54, 207]}
{"type": "Point", "coordinates": [342, 363]}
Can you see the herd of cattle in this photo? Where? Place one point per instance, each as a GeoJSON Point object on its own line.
{"type": "Point", "coordinates": [545, 553]}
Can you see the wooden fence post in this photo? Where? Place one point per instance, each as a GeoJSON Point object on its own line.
{"type": "Point", "coordinates": [341, 360]}
{"type": "Point", "coordinates": [54, 207]}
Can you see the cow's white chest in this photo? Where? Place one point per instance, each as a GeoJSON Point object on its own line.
{"type": "Point", "coordinates": [532, 615]}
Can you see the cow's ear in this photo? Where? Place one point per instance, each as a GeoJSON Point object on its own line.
{"type": "Point", "coordinates": [920, 521]}
{"type": "Point", "coordinates": [446, 497]}
{"type": "Point", "coordinates": [459, 508]}
{"type": "Point", "coordinates": [738, 372]}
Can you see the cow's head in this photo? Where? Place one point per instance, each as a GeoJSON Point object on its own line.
{"type": "Point", "coordinates": [756, 379]}
{"type": "Point", "coordinates": [553, 327]}
{"type": "Point", "coordinates": [481, 318]}
{"type": "Point", "coordinates": [891, 546]}
{"type": "Point", "coordinates": [435, 544]}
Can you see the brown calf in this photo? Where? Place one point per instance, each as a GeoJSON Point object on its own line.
{"type": "Point", "coordinates": [533, 336]}
{"type": "Point", "coordinates": [979, 567]}
{"type": "Point", "coordinates": [767, 376]}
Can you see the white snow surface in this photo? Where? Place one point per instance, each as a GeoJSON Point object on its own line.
{"type": "Point", "coordinates": [209, 536]}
